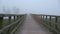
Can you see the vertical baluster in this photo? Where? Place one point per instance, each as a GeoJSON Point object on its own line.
{"type": "Point", "coordinates": [41, 19]}
{"type": "Point", "coordinates": [14, 18]}
{"type": "Point", "coordinates": [9, 29]}
{"type": "Point", "coordinates": [56, 25]}
{"type": "Point", "coordinates": [17, 17]}
{"type": "Point", "coordinates": [46, 20]}
{"type": "Point", "coordinates": [50, 21]}
{"type": "Point", "coordinates": [50, 24]}
{"type": "Point", "coordinates": [9, 18]}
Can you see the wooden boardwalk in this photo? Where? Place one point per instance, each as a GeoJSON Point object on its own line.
{"type": "Point", "coordinates": [31, 27]}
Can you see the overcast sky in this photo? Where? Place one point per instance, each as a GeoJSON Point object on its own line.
{"type": "Point", "coordinates": [32, 6]}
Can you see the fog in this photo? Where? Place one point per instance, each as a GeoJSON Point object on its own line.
{"type": "Point", "coordinates": [31, 6]}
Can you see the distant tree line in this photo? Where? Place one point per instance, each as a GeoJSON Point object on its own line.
{"type": "Point", "coordinates": [14, 10]}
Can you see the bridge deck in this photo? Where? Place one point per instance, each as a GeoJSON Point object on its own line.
{"type": "Point", "coordinates": [31, 27]}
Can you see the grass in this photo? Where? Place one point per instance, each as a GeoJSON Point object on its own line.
{"type": "Point", "coordinates": [6, 22]}
{"type": "Point", "coordinates": [53, 20]}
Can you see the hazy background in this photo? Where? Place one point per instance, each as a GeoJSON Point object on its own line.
{"type": "Point", "coordinates": [31, 6]}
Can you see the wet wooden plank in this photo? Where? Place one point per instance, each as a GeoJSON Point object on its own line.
{"type": "Point", "coordinates": [31, 27]}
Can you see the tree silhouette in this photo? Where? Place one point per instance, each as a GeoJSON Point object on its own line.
{"type": "Point", "coordinates": [16, 10]}
{"type": "Point", "coordinates": [6, 11]}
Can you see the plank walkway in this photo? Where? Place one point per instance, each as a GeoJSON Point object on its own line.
{"type": "Point", "coordinates": [31, 27]}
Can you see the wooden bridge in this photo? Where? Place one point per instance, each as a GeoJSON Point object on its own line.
{"type": "Point", "coordinates": [29, 24]}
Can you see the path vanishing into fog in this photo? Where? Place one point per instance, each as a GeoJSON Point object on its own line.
{"type": "Point", "coordinates": [30, 26]}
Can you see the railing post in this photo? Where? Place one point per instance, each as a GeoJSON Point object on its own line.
{"type": "Point", "coordinates": [14, 18]}
{"type": "Point", "coordinates": [9, 23]}
{"type": "Point", "coordinates": [43, 20]}
{"type": "Point", "coordinates": [9, 18]}
{"type": "Point", "coordinates": [46, 20]}
{"type": "Point", "coordinates": [1, 22]}
{"type": "Point", "coordinates": [50, 24]}
{"type": "Point", "coordinates": [50, 21]}
{"type": "Point", "coordinates": [17, 17]}
{"type": "Point", "coordinates": [56, 25]}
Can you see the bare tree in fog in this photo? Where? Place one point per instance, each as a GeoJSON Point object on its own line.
{"type": "Point", "coordinates": [6, 11]}
{"type": "Point", "coordinates": [16, 10]}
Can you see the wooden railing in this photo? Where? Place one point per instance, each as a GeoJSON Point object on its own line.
{"type": "Point", "coordinates": [12, 25]}
{"type": "Point", "coordinates": [52, 22]}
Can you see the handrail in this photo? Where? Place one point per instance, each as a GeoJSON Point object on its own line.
{"type": "Point", "coordinates": [17, 26]}
{"type": "Point", "coordinates": [13, 25]}
{"type": "Point", "coordinates": [47, 22]}
{"type": "Point", "coordinates": [45, 15]}
{"type": "Point", "coordinates": [4, 15]}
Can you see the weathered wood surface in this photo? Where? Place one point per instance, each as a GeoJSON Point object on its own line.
{"type": "Point", "coordinates": [31, 27]}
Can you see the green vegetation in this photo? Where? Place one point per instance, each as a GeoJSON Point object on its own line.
{"type": "Point", "coordinates": [52, 23]}
{"type": "Point", "coordinates": [7, 22]}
